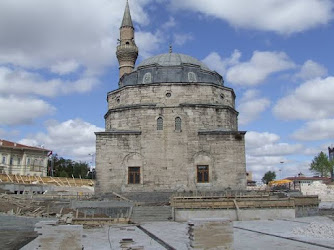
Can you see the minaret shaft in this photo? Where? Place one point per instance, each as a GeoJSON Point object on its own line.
{"type": "Point", "coordinates": [127, 51]}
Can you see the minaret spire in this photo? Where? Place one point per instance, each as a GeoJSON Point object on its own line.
{"type": "Point", "coordinates": [127, 51]}
{"type": "Point", "coordinates": [127, 20]}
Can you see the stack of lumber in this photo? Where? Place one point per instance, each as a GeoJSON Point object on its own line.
{"type": "Point", "coordinates": [23, 206]}
{"type": "Point", "coordinates": [46, 180]}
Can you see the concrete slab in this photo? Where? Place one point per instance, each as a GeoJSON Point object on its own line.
{"type": "Point", "coordinates": [57, 237]}
{"type": "Point", "coordinates": [16, 231]}
{"type": "Point", "coordinates": [261, 234]}
{"type": "Point", "coordinates": [184, 215]}
{"type": "Point", "coordinates": [107, 238]}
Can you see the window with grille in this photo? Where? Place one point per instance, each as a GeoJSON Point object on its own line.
{"type": "Point", "coordinates": [11, 161]}
{"type": "Point", "coordinates": [202, 173]}
{"type": "Point", "coordinates": [134, 175]}
{"type": "Point", "coordinates": [160, 123]}
{"type": "Point", "coordinates": [192, 77]}
{"type": "Point", "coordinates": [178, 124]}
{"type": "Point", "coordinates": [4, 160]}
{"type": "Point", "coordinates": [147, 78]}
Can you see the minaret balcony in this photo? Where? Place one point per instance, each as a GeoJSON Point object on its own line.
{"type": "Point", "coordinates": [127, 48]}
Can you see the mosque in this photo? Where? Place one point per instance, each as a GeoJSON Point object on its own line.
{"type": "Point", "coordinates": [171, 126]}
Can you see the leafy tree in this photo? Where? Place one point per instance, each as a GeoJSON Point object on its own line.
{"type": "Point", "coordinates": [269, 176]}
{"type": "Point", "coordinates": [63, 173]}
{"type": "Point", "coordinates": [321, 165]}
{"type": "Point", "coordinates": [67, 168]}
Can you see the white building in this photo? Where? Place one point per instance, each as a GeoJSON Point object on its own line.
{"type": "Point", "coordinates": [20, 159]}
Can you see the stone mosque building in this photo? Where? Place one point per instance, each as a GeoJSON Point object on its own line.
{"type": "Point", "coordinates": [171, 126]}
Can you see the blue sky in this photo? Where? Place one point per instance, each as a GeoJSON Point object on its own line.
{"type": "Point", "coordinates": [57, 63]}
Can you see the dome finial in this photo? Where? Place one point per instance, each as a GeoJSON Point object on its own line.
{"type": "Point", "coordinates": [170, 48]}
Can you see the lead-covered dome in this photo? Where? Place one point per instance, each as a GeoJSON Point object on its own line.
{"type": "Point", "coordinates": [172, 59]}
{"type": "Point", "coordinates": [171, 68]}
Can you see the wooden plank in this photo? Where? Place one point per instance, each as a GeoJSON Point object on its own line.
{"type": "Point", "coordinates": [74, 180]}
{"type": "Point", "coordinates": [237, 209]}
{"type": "Point", "coordinates": [68, 182]}
{"type": "Point", "coordinates": [41, 179]}
{"type": "Point", "coordinates": [59, 179]}
{"type": "Point", "coordinates": [17, 179]}
{"type": "Point", "coordinates": [120, 196]}
{"type": "Point", "coordinates": [9, 178]}
{"type": "Point", "coordinates": [22, 179]}
{"type": "Point", "coordinates": [242, 203]}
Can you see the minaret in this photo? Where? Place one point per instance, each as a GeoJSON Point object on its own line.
{"type": "Point", "coordinates": [127, 51]}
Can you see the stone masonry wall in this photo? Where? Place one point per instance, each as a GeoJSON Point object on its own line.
{"type": "Point", "coordinates": [180, 94]}
{"type": "Point", "coordinates": [169, 158]}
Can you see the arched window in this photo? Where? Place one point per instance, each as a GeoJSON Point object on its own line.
{"type": "Point", "coordinates": [192, 77]}
{"type": "Point", "coordinates": [147, 78]}
{"type": "Point", "coordinates": [160, 123]}
{"type": "Point", "coordinates": [178, 124]}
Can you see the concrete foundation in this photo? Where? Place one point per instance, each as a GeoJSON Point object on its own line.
{"type": "Point", "coordinates": [210, 234]}
{"type": "Point", "coordinates": [113, 209]}
{"type": "Point", "coordinates": [182, 215]}
{"type": "Point", "coordinates": [25, 188]}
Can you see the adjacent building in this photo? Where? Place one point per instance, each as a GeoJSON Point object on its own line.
{"type": "Point", "coordinates": [170, 126]}
{"type": "Point", "coordinates": [301, 180]}
{"type": "Point", "coordinates": [20, 159]}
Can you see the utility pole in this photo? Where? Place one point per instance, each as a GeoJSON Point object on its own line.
{"type": "Point", "coordinates": [331, 158]}
{"type": "Point", "coordinates": [52, 164]}
{"type": "Point", "coordinates": [91, 165]}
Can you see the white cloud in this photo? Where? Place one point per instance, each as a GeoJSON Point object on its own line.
{"type": "Point", "coordinates": [311, 100]}
{"type": "Point", "coordinates": [15, 111]}
{"type": "Point", "coordinates": [21, 82]}
{"type": "Point", "coordinates": [260, 66]}
{"type": "Point", "coordinates": [316, 130]}
{"type": "Point", "coordinates": [257, 139]}
{"type": "Point", "coordinates": [310, 70]}
{"type": "Point", "coordinates": [65, 67]}
{"type": "Point", "coordinates": [149, 42]}
{"type": "Point", "coordinates": [182, 38]}
{"type": "Point", "coordinates": [267, 144]}
{"type": "Point", "coordinates": [277, 149]}
{"type": "Point", "coordinates": [283, 17]}
{"type": "Point", "coordinates": [6, 134]}
{"type": "Point", "coordinates": [260, 165]}
{"type": "Point", "coordinates": [72, 138]}
{"type": "Point", "coordinates": [63, 31]}
{"type": "Point", "coordinates": [216, 62]}
{"type": "Point", "coordinates": [251, 106]}
{"type": "Point", "coordinates": [265, 152]}
{"type": "Point", "coordinates": [169, 24]}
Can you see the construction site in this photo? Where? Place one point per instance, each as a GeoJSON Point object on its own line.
{"type": "Point", "coordinates": [63, 213]}
{"type": "Point", "coordinates": [169, 165]}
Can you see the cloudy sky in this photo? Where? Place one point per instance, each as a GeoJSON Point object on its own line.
{"type": "Point", "coordinates": [57, 63]}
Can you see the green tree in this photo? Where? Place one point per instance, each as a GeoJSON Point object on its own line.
{"type": "Point", "coordinates": [66, 168]}
{"type": "Point", "coordinates": [321, 165]}
{"type": "Point", "coordinates": [269, 176]}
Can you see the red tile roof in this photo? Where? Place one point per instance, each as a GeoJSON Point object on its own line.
{"type": "Point", "coordinates": [9, 144]}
